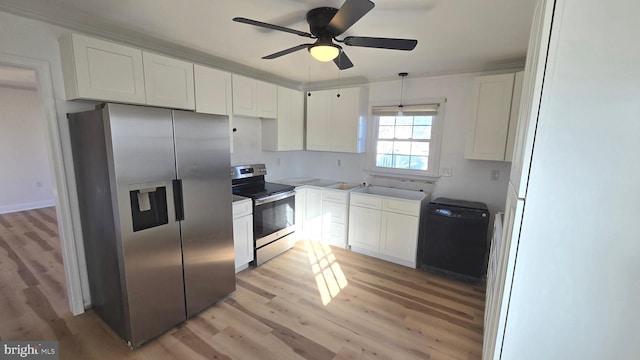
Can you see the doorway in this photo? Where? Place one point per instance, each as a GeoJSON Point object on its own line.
{"type": "Point", "coordinates": [61, 219]}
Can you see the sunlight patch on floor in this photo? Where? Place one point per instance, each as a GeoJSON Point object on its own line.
{"type": "Point", "coordinates": [328, 274]}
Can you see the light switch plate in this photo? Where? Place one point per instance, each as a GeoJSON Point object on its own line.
{"type": "Point", "coordinates": [446, 172]}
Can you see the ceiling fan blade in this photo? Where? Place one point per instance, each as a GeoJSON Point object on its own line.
{"type": "Point", "coordinates": [287, 51]}
{"type": "Point", "coordinates": [350, 12]}
{"type": "Point", "coordinates": [271, 26]}
{"type": "Point", "coordinates": [342, 61]}
{"type": "Point", "coordinates": [381, 43]}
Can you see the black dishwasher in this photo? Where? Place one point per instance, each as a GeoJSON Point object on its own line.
{"type": "Point", "coordinates": [454, 241]}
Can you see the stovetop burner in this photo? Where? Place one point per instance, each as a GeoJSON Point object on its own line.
{"type": "Point", "coordinates": [261, 190]}
{"type": "Point", "coordinates": [248, 181]}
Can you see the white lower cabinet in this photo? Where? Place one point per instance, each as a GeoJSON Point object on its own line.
{"type": "Point", "coordinates": [364, 228]}
{"type": "Point", "coordinates": [399, 235]}
{"type": "Point", "coordinates": [243, 233]}
{"type": "Point", "coordinates": [385, 227]}
{"type": "Point", "coordinates": [322, 215]}
{"type": "Point", "coordinates": [335, 215]}
{"type": "Point", "coordinates": [313, 214]}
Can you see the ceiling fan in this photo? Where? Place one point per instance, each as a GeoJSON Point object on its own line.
{"type": "Point", "coordinates": [325, 24]}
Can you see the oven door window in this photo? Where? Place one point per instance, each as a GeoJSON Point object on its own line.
{"type": "Point", "coordinates": [273, 216]}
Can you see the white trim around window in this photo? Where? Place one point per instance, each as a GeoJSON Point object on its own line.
{"type": "Point", "coordinates": [434, 108]}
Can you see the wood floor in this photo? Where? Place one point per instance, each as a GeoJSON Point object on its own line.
{"type": "Point", "coordinates": [313, 302]}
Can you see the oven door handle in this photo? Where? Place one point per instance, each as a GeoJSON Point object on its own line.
{"type": "Point", "coordinates": [276, 197]}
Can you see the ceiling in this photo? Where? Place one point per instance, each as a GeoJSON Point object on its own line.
{"type": "Point", "coordinates": [453, 36]}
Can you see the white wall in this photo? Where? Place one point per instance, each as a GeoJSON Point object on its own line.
{"type": "Point", "coordinates": [25, 38]}
{"type": "Point", "coordinates": [247, 149]}
{"type": "Point", "coordinates": [575, 289]}
{"type": "Point", "coordinates": [470, 180]}
{"type": "Point", "coordinates": [26, 177]}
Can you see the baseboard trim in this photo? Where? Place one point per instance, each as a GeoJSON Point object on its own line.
{"type": "Point", "coordinates": [5, 209]}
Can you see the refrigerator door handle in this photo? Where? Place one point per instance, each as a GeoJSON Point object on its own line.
{"type": "Point", "coordinates": [178, 200]}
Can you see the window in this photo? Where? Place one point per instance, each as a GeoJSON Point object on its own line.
{"type": "Point", "coordinates": [406, 143]}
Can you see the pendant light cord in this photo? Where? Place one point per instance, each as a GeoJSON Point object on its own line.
{"type": "Point", "coordinates": [402, 76]}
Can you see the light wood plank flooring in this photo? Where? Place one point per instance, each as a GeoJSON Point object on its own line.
{"type": "Point", "coordinates": [313, 302]}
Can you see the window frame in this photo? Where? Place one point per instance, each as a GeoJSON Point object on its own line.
{"type": "Point", "coordinates": [435, 143]}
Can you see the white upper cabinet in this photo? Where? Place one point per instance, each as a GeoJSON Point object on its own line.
{"type": "Point", "coordinates": [267, 100]}
{"type": "Point", "coordinates": [101, 70]}
{"type": "Point", "coordinates": [254, 98]}
{"type": "Point", "coordinates": [168, 82]}
{"type": "Point", "coordinates": [212, 90]}
{"type": "Point", "coordinates": [489, 126]}
{"type": "Point", "coordinates": [337, 123]}
{"type": "Point", "coordinates": [286, 131]}
{"type": "Point", "coordinates": [244, 96]}
{"type": "Point", "coordinates": [319, 120]}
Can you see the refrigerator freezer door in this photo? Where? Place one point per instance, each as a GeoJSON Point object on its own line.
{"type": "Point", "coordinates": [141, 160]}
{"type": "Point", "coordinates": [203, 162]}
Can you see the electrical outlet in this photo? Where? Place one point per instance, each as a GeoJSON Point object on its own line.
{"type": "Point", "coordinates": [39, 184]}
{"type": "Point", "coordinates": [339, 162]}
{"type": "Point", "coordinates": [278, 161]}
{"type": "Point", "coordinates": [446, 172]}
{"type": "Point", "coordinates": [495, 175]}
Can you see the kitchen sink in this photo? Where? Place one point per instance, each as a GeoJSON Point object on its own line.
{"type": "Point", "coordinates": [391, 192]}
{"type": "Point", "coordinates": [344, 186]}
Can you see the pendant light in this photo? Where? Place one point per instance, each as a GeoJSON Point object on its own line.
{"type": "Point", "coordinates": [402, 76]}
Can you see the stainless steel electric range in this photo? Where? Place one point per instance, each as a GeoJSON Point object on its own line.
{"type": "Point", "coordinates": [273, 211]}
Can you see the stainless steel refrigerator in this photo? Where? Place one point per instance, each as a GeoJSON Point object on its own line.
{"type": "Point", "coordinates": [154, 191]}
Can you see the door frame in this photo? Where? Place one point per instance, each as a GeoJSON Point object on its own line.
{"type": "Point", "coordinates": [44, 83]}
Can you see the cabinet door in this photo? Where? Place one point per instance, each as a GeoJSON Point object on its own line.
{"type": "Point", "coordinates": [243, 240]}
{"type": "Point", "coordinates": [301, 200]}
{"type": "Point", "coordinates": [399, 236]}
{"type": "Point", "coordinates": [168, 82]}
{"type": "Point", "coordinates": [334, 217]}
{"type": "Point", "coordinates": [313, 214]}
{"type": "Point", "coordinates": [266, 100]}
{"type": "Point", "coordinates": [364, 228]}
{"type": "Point", "coordinates": [212, 90]}
{"type": "Point", "coordinates": [489, 122]}
{"type": "Point", "coordinates": [513, 117]}
{"type": "Point", "coordinates": [296, 135]}
{"type": "Point", "coordinates": [344, 120]}
{"type": "Point", "coordinates": [319, 120]}
{"type": "Point", "coordinates": [101, 70]}
{"type": "Point", "coordinates": [244, 96]}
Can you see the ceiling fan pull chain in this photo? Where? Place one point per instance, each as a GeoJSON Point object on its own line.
{"type": "Point", "coordinates": [339, 72]}
{"type": "Point", "coordinates": [309, 83]}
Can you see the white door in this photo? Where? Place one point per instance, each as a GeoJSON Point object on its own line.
{"type": "Point", "coordinates": [168, 82]}
{"type": "Point", "coordinates": [213, 90]}
{"type": "Point", "coordinates": [496, 310]}
{"type": "Point", "coordinates": [318, 120]}
{"type": "Point", "coordinates": [364, 228]}
{"type": "Point", "coordinates": [345, 119]}
{"type": "Point", "coordinates": [313, 214]}
{"type": "Point", "coordinates": [244, 96]}
{"type": "Point", "coordinates": [399, 236]}
{"type": "Point", "coordinates": [534, 71]}
{"type": "Point", "coordinates": [243, 240]}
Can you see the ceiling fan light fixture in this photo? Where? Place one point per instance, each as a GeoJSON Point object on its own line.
{"type": "Point", "coordinates": [324, 52]}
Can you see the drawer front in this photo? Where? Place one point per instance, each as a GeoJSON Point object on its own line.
{"type": "Point", "coordinates": [401, 206]}
{"type": "Point", "coordinates": [336, 212]}
{"type": "Point", "coordinates": [335, 196]}
{"type": "Point", "coordinates": [242, 208]}
{"type": "Point", "coordinates": [367, 201]}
